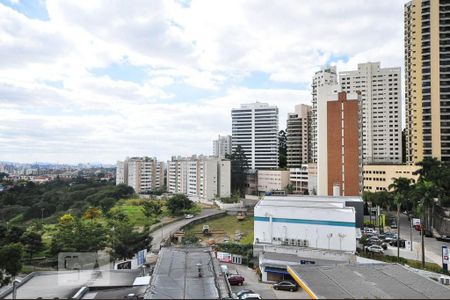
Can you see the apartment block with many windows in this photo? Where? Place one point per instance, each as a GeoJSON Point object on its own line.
{"type": "Point", "coordinates": [143, 174]}
{"type": "Point", "coordinates": [380, 110]}
{"type": "Point", "coordinates": [298, 136]}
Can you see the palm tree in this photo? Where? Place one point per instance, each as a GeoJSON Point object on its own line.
{"type": "Point", "coordinates": [401, 187]}
{"type": "Point", "coordinates": [425, 191]}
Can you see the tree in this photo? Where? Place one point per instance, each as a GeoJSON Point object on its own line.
{"type": "Point", "coordinates": [32, 242]}
{"type": "Point", "coordinates": [239, 168]}
{"type": "Point", "coordinates": [282, 149]}
{"type": "Point", "coordinates": [10, 262]}
{"type": "Point", "coordinates": [178, 203]}
{"type": "Point", "coordinates": [14, 234]}
{"type": "Point", "coordinates": [151, 208]}
{"type": "Point", "coordinates": [92, 213]}
{"type": "Point", "coordinates": [125, 242]}
{"type": "Point", "coordinates": [430, 169]}
{"type": "Point", "coordinates": [401, 187]}
{"type": "Point", "coordinates": [74, 234]}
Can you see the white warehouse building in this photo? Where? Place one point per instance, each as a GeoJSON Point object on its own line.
{"type": "Point", "coordinates": [308, 222]}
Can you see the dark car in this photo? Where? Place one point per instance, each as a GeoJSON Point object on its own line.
{"type": "Point", "coordinates": [285, 286]}
{"type": "Point", "coordinates": [236, 279]}
{"type": "Point", "coordinates": [242, 292]}
{"type": "Point", "coordinates": [427, 233]}
{"type": "Point", "coordinates": [401, 242]}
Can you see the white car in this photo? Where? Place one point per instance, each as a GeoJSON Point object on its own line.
{"type": "Point", "coordinates": [188, 216]}
{"type": "Point", "coordinates": [251, 296]}
{"type": "Point", "coordinates": [375, 249]}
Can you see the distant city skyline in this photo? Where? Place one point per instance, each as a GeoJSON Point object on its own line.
{"type": "Point", "coordinates": [83, 81]}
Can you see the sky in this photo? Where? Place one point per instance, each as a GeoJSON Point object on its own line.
{"type": "Point", "coordinates": [97, 81]}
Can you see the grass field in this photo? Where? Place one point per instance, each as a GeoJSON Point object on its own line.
{"type": "Point", "coordinates": [135, 214]}
{"type": "Point", "coordinates": [230, 225]}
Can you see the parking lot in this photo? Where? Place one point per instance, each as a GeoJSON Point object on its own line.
{"type": "Point", "coordinates": [265, 290]}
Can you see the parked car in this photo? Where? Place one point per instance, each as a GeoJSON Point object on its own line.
{"type": "Point", "coordinates": [243, 292]}
{"type": "Point", "coordinates": [444, 238]}
{"type": "Point", "coordinates": [188, 216]}
{"type": "Point", "coordinates": [375, 249]}
{"type": "Point", "coordinates": [368, 230]}
{"type": "Point", "coordinates": [285, 286]}
{"type": "Point", "coordinates": [236, 279]}
{"type": "Point", "coordinates": [401, 242]}
{"type": "Point", "coordinates": [427, 233]}
{"type": "Point", "coordinates": [251, 296]}
{"type": "Point", "coordinates": [384, 246]}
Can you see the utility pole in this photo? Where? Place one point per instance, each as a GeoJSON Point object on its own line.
{"type": "Point", "coordinates": [423, 247]}
{"type": "Point", "coordinates": [410, 232]}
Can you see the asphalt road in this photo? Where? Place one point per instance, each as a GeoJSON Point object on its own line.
{"type": "Point", "coordinates": [433, 247]}
{"type": "Point", "coordinates": [164, 232]}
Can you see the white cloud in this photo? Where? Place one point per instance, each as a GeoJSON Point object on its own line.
{"type": "Point", "coordinates": [56, 109]}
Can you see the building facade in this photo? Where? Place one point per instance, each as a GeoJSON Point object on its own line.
{"type": "Point", "coordinates": [380, 110]}
{"type": "Point", "coordinates": [199, 177]}
{"type": "Point", "coordinates": [272, 180]}
{"type": "Point", "coordinates": [310, 222]}
{"type": "Point", "coordinates": [143, 174]}
{"type": "Point", "coordinates": [378, 177]}
{"type": "Point", "coordinates": [324, 77]}
{"type": "Point", "coordinates": [427, 79]}
{"type": "Point", "coordinates": [255, 129]}
{"type": "Point", "coordinates": [222, 146]}
{"type": "Point", "coordinates": [298, 136]}
{"type": "Point", "coordinates": [339, 166]}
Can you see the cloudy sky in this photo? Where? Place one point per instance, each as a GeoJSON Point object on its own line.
{"type": "Point", "coordinates": [96, 81]}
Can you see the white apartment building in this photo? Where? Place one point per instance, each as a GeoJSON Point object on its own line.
{"type": "Point", "coordinates": [255, 129]}
{"type": "Point", "coordinates": [272, 180]}
{"type": "Point", "coordinates": [326, 76]}
{"type": "Point", "coordinates": [222, 146]}
{"type": "Point", "coordinates": [143, 174]}
{"type": "Point", "coordinates": [199, 177]}
{"type": "Point", "coordinates": [381, 110]}
{"type": "Point", "coordinates": [298, 136]}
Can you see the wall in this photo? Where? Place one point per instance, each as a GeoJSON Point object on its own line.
{"type": "Point", "coordinates": [272, 180]}
{"type": "Point", "coordinates": [312, 224]}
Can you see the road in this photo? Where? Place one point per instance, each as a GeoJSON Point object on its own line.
{"type": "Point", "coordinates": [164, 232]}
{"type": "Point", "coordinates": [265, 290]}
{"type": "Point", "coordinates": [433, 247]}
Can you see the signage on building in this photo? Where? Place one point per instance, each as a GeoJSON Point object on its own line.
{"type": "Point", "coordinates": [445, 258]}
{"type": "Point", "coordinates": [415, 221]}
{"type": "Point", "coordinates": [141, 257]}
{"type": "Point", "coordinates": [307, 262]}
{"type": "Point", "coordinates": [224, 257]}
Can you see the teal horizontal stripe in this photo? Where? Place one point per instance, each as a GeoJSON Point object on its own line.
{"type": "Point", "coordinates": [304, 221]}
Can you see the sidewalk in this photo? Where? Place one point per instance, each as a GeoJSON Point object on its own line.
{"type": "Point", "coordinates": [416, 254]}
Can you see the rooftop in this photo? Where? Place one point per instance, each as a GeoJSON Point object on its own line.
{"type": "Point", "coordinates": [176, 275]}
{"type": "Point", "coordinates": [373, 281]}
{"type": "Point", "coordinates": [65, 284]}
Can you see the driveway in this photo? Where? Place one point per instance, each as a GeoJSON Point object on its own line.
{"type": "Point", "coordinates": [265, 290]}
{"type": "Point", "coordinates": [164, 232]}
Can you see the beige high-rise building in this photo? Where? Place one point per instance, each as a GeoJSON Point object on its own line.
{"type": "Point", "coordinates": [381, 117]}
{"type": "Point", "coordinates": [298, 136]}
{"type": "Point", "coordinates": [143, 174]}
{"type": "Point", "coordinates": [427, 79]}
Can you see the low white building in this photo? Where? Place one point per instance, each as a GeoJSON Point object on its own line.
{"type": "Point", "coordinates": [311, 222]}
{"type": "Point", "coordinates": [272, 180]}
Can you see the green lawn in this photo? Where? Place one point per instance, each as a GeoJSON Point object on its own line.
{"type": "Point", "coordinates": [229, 224]}
{"type": "Point", "coordinates": [135, 214]}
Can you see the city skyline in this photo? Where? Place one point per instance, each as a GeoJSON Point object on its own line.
{"type": "Point", "coordinates": [86, 82]}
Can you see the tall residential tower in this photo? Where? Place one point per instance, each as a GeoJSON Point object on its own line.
{"type": "Point", "coordinates": [381, 110]}
{"type": "Point", "coordinates": [298, 136]}
{"type": "Point", "coordinates": [427, 78]}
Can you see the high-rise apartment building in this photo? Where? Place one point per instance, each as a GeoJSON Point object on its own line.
{"type": "Point", "coordinates": [380, 108]}
{"type": "Point", "coordinates": [222, 146]}
{"type": "Point", "coordinates": [199, 177]}
{"type": "Point", "coordinates": [427, 79]}
{"type": "Point", "coordinates": [143, 174]}
{"type": "Point", "coordinates": [339, 168]}
{"type": "Point", "coordinates": [255, 129]}
{"type": "Point", "coordinates": [298, 136]}
{"type": "Point", "coordinates": [327, 76]}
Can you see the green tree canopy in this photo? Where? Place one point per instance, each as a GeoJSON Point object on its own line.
{"type": "Point", "coordinates": [282, 149]}
{"type": "Point", "coordinates": [10, 261]}
{"type": "Point", "coordinates": [178, 203]}
{"type": "Point", "coordinates": [239, 169]}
